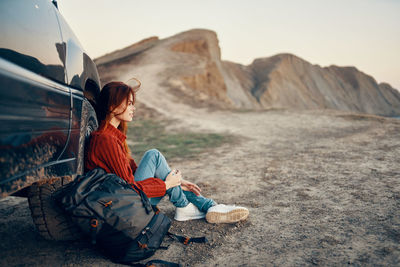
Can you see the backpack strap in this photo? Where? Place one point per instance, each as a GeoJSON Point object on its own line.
{"type": "Point", "coordinates": [187, 240]}
{"type": "Point", "coordinates": [156, 209]}
{"type": "Point", "coordinates": [162, 263]}
{"type": "Point", "coordinates": [145, 199]}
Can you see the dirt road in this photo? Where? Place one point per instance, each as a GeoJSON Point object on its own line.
{"type": "Point", "coordinates": [322, 187]}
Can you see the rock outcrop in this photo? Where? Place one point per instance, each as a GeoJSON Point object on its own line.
{"type": "Point", "coordinates": [189, 65]}
{"type": "Point", "coordinates": [198, 71]}
{"type": "Point", "coordinates": [288, 81]}
{"type": "Point", "coordinates": [129, 51]}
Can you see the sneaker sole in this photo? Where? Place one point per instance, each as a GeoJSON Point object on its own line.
{"type": "Point", "coordinates": [227, 217]}
{"type": "Point", "coordinates": [182, 219]}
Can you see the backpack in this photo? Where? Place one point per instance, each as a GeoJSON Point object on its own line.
{"type": "Point", "coordinates": [119, 220]}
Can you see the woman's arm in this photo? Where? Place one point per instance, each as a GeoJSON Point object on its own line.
{"type": "Point", "coordinates": [173, 179]}
{"type": "Point", "coordinates": [111, 155]}
{"type": "Point", "coordinates": [152, 187]}
{"type": "Point", "coordinates": [189, 186]}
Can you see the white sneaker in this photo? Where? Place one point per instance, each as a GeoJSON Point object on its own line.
{"type": "Point", "coordinates": [226, 214]}
{"type": "Point", "coordinates": [190, 212]}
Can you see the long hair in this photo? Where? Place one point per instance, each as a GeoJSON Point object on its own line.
{"type": "Point", "coordinates": [111, 96]}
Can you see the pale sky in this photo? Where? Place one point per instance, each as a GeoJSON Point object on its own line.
{"type": "Point", "coordinates": [360, 33]}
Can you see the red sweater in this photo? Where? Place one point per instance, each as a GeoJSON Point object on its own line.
{"type": "Point", "coordinates": [106, 150]}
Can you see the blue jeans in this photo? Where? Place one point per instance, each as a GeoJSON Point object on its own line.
{"type": "Point", "coordinates": [154, 164]}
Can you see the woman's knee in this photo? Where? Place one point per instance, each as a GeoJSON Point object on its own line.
{"type": "Point", "coordinates": [152, 152]}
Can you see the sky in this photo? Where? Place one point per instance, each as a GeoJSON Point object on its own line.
{"type": "Point", "coordinates": [360, 33]}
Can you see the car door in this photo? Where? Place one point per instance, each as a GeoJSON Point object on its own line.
{"type": "Point", "coordinates": [35, 104]}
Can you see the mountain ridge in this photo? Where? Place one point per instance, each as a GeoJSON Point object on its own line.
{"type": "Point", "coordinates": [192, 67]}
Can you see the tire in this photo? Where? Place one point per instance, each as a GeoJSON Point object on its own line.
{"type": "Point", "coordinates": [50, 220]}
{"type": "Point", "coordinates": [88, 125]}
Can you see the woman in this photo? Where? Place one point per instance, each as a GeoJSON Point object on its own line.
{"type": "Point", "coordinates": [108, 150]}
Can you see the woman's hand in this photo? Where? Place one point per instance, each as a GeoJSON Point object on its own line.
{"type": "Point", "coordinates": [173, 179]}
{"type": "Point", "coordinates": [188, 186]}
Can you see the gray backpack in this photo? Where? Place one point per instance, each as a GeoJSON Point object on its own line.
{"type": "Point", "coordinates": [116, 216]}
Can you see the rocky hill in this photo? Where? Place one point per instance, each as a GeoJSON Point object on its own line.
{"type": "Point", "coordinates": [189, 66]}
{"type": "Point", "coordinates": [288, 81]}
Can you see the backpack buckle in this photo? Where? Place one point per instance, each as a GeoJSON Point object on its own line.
{"type": "Point", "coordinates": [142, 246]}
{"type": "Point", "coordinates": [186, 241]}
{"type": "Point", "coordinates": [94, 223]}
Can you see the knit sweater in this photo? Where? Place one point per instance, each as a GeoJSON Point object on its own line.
{"type": "Point", "coordinates": [106, 150]}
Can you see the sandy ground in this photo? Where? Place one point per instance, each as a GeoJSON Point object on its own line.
{"type": "Point", "coordinates": [322, 187]}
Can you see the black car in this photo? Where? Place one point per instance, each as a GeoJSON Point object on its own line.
{"type": "Point", "coordinates": [48, 88]}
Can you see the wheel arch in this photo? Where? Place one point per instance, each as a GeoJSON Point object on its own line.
{"type": "Point", "coordinates": [91, 91]}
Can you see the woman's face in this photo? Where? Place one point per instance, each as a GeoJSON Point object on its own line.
{"type": "Point", "coordinates": [126, 115]}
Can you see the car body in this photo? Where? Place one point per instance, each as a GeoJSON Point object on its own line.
{"type": "Point", "coordinates": [46, 79]}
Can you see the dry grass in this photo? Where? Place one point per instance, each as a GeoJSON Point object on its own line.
{"type": "Point", "coordinates": [145, 134]}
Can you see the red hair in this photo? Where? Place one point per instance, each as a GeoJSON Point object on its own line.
{"type": "Point", "coordinates": [111, 96]}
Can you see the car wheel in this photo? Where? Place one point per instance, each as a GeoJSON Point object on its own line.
{"type": "Point", "coordinates": [50, 220]}
{"type": "Point", "coordinates": [88, 125]}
